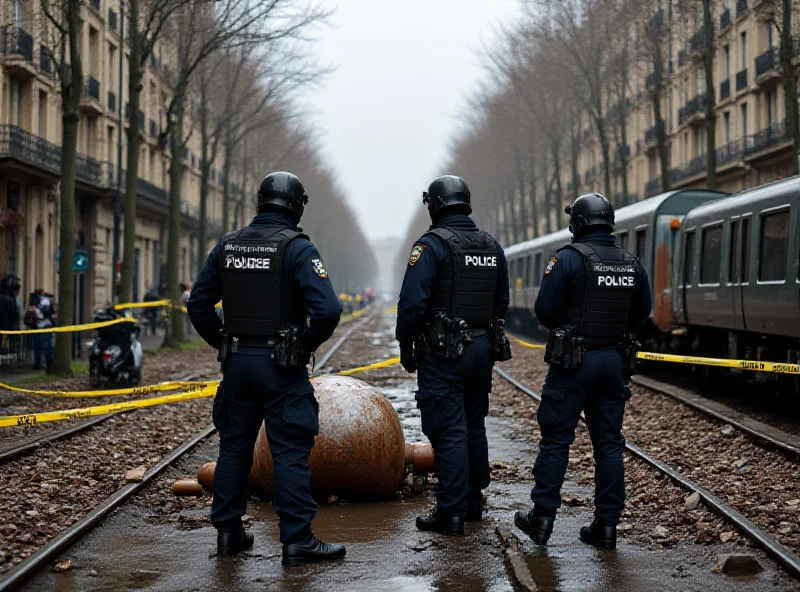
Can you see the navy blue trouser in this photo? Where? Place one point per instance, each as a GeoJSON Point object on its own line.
{"type": "Point", "coordinates": [598, 389]}
{"type": "Point", "coordinates": [256, 389]}
{"type": "Point", "coordinates": [43, 346]}
{"type": "Point", "coordinates": [453, 399]}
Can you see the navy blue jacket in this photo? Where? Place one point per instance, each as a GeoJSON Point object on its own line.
{"type": "Point", "coordinates": [550, 304]}
{"type": "Point", "coordinates": [419, 279]}
{"type": "Point", "coordinates": [322, 304]}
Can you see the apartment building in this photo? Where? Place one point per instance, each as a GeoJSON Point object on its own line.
{"type": "Point", "coordinates": [753, 143]}
{"type": "Point", "coordinates": [30, 160]}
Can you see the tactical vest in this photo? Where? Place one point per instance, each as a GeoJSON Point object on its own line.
{"type": "Point", "coordinates": [256, 298]}
{"type": "Point", "coordinates": [465, 289]}
{"type": "Point", "coordinates": [600, 303]}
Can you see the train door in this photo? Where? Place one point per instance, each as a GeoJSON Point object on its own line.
{"type": "Point", "coordinates": [768, 306]}
{"type": "Point", "coordinates": [738, 252]}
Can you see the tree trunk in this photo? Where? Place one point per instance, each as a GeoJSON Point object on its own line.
{"type": "Point", "coordinates": [175, 333]}
{"type": "Point", "coordinates": [132, 160]}
{"type": "Point", "coordinates": [523, 206]}
{"type": "Point", "coordinates": [532, 185]}
{"type": "Point", "coordinates": [71, 88]}
{"type": "Point", "coordinates": [790, 84]}
{"type": "Point", "coordinates": [558, 201]}
{"type": "Point", "coordinates": [511, 224]}
{"type": "Point", "coordinates": [575, 153]}
{"type": "Point", "coordinates": [226, 185]}
{"type": "Point", "coordinates": [601, 132]}
{"type": "Point", "coordinates": [204, 175]}
{"type": "Point", "coordinates": [711, 118]}
{"type": "Point", "coordinates": [661, 139]}
{"type": "Point", "coordinates": [623, 132]}
{"type": "Point", "coordinates": [548, 190]}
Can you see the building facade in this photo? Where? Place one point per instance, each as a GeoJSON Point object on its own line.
{"type": "Point", "coordinates": [30, 160]}
{"type": "Point", "coordinates": [753, 144]}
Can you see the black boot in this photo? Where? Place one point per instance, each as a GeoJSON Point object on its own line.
{"type": "Point", "coordinates": [600, 534]}
{"type": "Point", "coordinates": [539, 528]}
{"type": "Point", "coordinates": [441, 523]}
{"type": "Point", "coordinates": [474, 507]}
{"type": "Point", "coordinates": [231, 542]}
{"type": "Point", "coordinates": [311, 550]}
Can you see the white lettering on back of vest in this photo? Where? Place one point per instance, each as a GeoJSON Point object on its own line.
{"type": "Point", "coordinates": [616, 281]}
{"type": "Point", "coordinates": [480, 260]}
{"type": "Point", "coordinates": [248, 263]}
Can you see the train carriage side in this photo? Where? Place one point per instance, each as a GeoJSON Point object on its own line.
{"type": "Point", "coordinates": [739, 275]}
{"type": "Point", "coordinates": [644, 229]}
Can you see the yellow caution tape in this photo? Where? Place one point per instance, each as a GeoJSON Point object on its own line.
{"type": "Point", "coordinates": [755, 365]}
{"type": "Point", "coordinates": [71, 328]}
{"type": "Point", "coordinates": [136, 390]}
{"type": "Point", "coordinates": [68, 414]}
{"type": "Point", "coordinates": [154, 304]}
{"type": "Point", "coordinates": [528, 345]}
{"type": "Point", "coordinates": [376, 366]}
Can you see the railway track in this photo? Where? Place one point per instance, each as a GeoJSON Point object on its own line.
{"type": "Point", "coordinates": [41, 558]}
{"type": "Point", "coordinates": [782, 554]}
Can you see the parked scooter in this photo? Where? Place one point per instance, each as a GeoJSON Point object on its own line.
{"type": "Point", "coordinates": [115, 355]}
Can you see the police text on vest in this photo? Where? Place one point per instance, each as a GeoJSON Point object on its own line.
{"type": "Point", "coordinates": [615, 281]}
{"type": "Point", "coordinates": [255, 263]}
{"type": "Point", "coordinates": [480, 261]}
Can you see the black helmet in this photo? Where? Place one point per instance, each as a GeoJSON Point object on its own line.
{"type": "Point", "coordinates": [10, 285]}
{"type": "Point", "coordinates": [444, 192]}
{"type": "Point", "coordinates": [588, 210]}
{"type": "Point", "coordinates": [285, 191]}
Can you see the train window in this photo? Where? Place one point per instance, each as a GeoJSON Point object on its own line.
{"type": "Point", "coordinates": [734, 244]}
{"type": "Point", "coordinates": [772, 249]}
{"type": "Point", "coordinates": [537, 269]}
{"type": "Point", "coordinates": [528, 271]}
{"type": "Point", "coordinates": [712, 250]}
{"type": "Point", "coordinates": [641, 246]}
{"type": "Point", "coordinates": [744, 262]}
{"type": "Point", "coordinates": [622, 240]}
{"type": "Point", "coordinates": [688, 259]}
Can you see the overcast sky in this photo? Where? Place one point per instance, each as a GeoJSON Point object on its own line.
{"type": "Point", "coordinates": [404, 68]}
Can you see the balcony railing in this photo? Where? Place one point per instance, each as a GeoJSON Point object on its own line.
{"type": "Point", "coordinates": [652, 187]}
{"type": "Point", "coordinates": [741, 7]}
{"type": "Point", "coordinates": [725, 89]}
{"type": "Point", "coordinates": [725, 19]}
{"type": "Point", "coordinates": [650, 135]}
{"type": "Point", "coordinates": [697, 41]}
{"type": "Point", "coordinates": [92, 88]}
{"type": "Point", "coordinates": [767, 61]}
{"type": "Point", "coordinates": [650, 81]}
{"type": "Point", "coordinates": [112, 102]}
{"type": "Point", "coordinates": [112, 19]}
{"type": "Point", "coordinates": [89, 170]}
{"type": "Point", "coordinates": [775, 134]}
{"type": "Point", "coordinates": [730, 152]}
{"type": "Point", "coordinates": [741, 80]}
{"type": "Point", "coordinates": [694, 106]}
{"type": "Point", "coordinates": [16, 40]}
{"type": "Point", "coordinates": [45, 61]}
{"type": "Point", "coordinates": [153, 129]}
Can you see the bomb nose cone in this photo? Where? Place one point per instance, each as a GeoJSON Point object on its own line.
{"type": "Point", "coordinates": [360, 452]}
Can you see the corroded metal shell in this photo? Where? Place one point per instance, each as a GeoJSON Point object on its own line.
{"type": "Point", "coordinates": [360, 451]}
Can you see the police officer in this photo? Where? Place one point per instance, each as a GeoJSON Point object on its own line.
{"type": "Point", "coordinates": [453, 300]}
{"type": "Point", "coordinates": [270, 279]}
{"type": "Point", "coordinates": [592, 297]}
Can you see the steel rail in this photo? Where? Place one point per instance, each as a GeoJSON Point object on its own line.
{"type": "Point", "coordinates": [778, 439]}
{"type": "Point", "coordinates": [339, 342]}
{"type": "Point", "coordinates": [39, 560]}
{"type": "Point", "coordinates": [56, 435]}
{"type": "Point", "coordinates": [782, 554]}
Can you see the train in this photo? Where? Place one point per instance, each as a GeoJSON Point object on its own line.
{"type": "Point", "coordinates": [724, 270]}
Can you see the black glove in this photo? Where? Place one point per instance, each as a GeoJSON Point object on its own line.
{"type": "Point", "coordinates": [408, 358]}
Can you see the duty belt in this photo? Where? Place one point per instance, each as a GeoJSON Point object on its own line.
{"type": "Point", "coordinates": [478, 332]}
{"type": "Point", "coordinates": [248, 341]}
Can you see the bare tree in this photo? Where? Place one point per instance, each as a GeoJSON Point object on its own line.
{"type": "Point", "coordinates": [200, 29]}
{"type": "Point", "coordinates": [65, 27]}
{"type": "Point", "coordinates": [708, 51]}
{"type": "Point", "coordinates": [146, 21]}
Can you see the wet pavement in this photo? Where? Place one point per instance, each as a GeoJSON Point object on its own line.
{"type": "Point", "coordinates": [133, 550]}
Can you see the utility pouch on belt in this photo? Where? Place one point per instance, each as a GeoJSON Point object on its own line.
{"type": "Point", "coordinates": [222, 352]}
{"type": "Point", "coordinates": [629, 347]}
{"type": "Point", "coordinates": [564, 348]}
{"type": "Point", "coordinates": [501, 348]}
{"type": "Point", "coordinates": [289, 348]}
{"type": "Point", "coordinates": [446, 337]}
